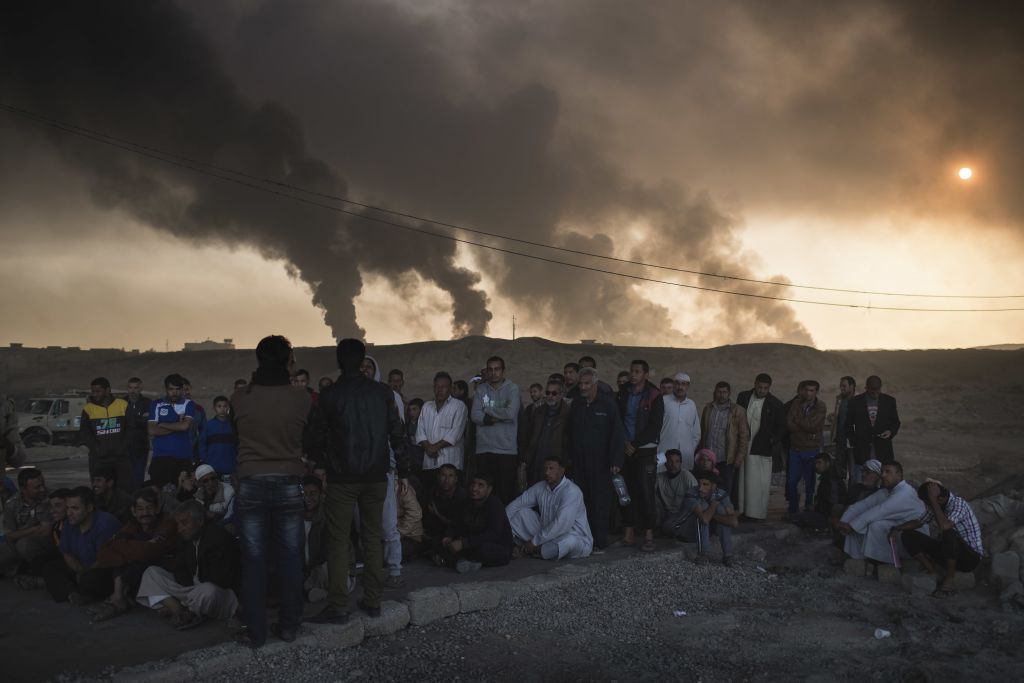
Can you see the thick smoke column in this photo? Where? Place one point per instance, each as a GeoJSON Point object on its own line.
{"type": "Point", "coordinates": [142, 71]}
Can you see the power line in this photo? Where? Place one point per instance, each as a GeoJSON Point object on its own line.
{"type": "Point", "coordinates": [76, 129]}
{"type": "Point", "coordinates": [197, 167]}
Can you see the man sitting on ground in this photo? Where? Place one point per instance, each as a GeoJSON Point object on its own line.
{"type": "Point", "coordinates": [410, 520]}
{"type": "Point", "coordinates": [560, 529]}
{"type": "Point", "coordinates": [707, 509]}
{"type": "Point", "coordinates": [148, 539]}
{"type": "Point", "coordinates": [480, 535]}
{"type": "Point", "coordinates": [866, 524]}
{"type": "Point", "coordinates": [870, 479]}
{"type": "Point", "coordinates": [109, 496]}
{"type": "Point", "coordinates": [27, 521]}
{"type": "Point", "coordinates": [442, 504]}
{"type": "Point", "coordinates": [314, 540]}
{"type": "Point", "coordinates": [829, 495]}
{"type": "Point", "coordinates": [206, 572]}
{"type": "Point", "coordinates": [958, 547]}
{"type": "Point", "coordinates": [217, 496]}
{"type": "Point", "coordinates": [75, 577]}
{"type": "Point", "coordinates": [672, 486]}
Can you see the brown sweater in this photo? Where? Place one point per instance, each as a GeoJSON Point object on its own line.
{"type": "Point", "coordinates": [270, 421]}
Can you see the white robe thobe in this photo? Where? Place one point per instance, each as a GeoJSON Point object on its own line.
{"type": "Point", "coordinates": [873, 518]}
{"type": "Point", "coordinates": [447, 424]}
{"type": "Point", "coordinates": [680, 429]}
{"type": "Point", "coordinates": [561, 528]}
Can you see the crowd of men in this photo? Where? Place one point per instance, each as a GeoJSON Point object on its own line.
{"type": "Point", "coordinates": [286, 491]}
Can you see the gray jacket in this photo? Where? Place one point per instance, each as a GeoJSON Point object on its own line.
{"type": "Point", "coordinates": [496, 415]}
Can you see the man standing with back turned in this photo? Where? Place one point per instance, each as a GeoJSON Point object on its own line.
{"type": "Point", "coordinates": [355, 420]}
{"type": "Point", "coordinates": [270, 415]}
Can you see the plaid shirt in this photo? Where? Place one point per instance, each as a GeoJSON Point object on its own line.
{"type": "Point", "coordinates": [964, 522]}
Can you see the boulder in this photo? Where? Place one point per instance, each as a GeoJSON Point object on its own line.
{"type": "Point", "coordinates": [394, 616]}
{"type": "Point", "coordinates": [427, 605]}
{"type": "Point", "coordinates": [477, 596]}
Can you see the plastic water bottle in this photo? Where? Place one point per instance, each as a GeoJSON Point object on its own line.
{"type": "Point", "coordinates": [619, 484]}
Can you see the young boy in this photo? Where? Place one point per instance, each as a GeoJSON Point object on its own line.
{"type": "Point", "coordinates": [218, 442]}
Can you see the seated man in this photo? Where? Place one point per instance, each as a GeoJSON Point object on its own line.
{"type": "Point", "coordinates": [866, 524]}
{"type": "Point", "coordinates": [110, 498]}
{"type": "Point", "coordinates": [549, 518]}
{"type": "Point", "coordinates": [441, 504]}
{"type": "Point", "coordinates": [829, 495]}
{"type": "Point", "coordinates": [870, 479]}
{"type": "Point", "coordinates": [410, 520]}
{"type": "Point", "coordinates": [707, 509]}
{"type": "Point", "coordinates": [217, 496]}
{"type": "Point", "coordinates": [150, 538]}
{"type": "Point", "coordinates": [314, 541]}
{"type": "Point", "coordinates": [480, 535]}
{"type": "Point", "coordinates": [206, 572]}
{"type": "Point", "coordinates": [672, 486]}
{"type": "Point", "coordinates": [75, 577]}
{"type": "Point", "coordinates": [958, 547]}
{"type": "Point", "coordinates": [28, 524]}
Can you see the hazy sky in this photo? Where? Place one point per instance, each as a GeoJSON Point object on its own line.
{"type": "Point", "coordinates": [814, 143]}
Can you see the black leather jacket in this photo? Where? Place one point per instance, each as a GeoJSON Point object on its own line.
{"type": "Point", "coordinates": [354, 421]}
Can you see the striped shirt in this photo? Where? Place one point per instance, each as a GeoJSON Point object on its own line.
{"type": "Point", "coordinates": [964, 522]}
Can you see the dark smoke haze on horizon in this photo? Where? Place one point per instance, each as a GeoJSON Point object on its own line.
{"type": "Point", "coordinates": [581, 124]}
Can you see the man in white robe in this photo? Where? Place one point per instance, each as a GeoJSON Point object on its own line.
{"type": "Point", "coordinates": [560, 529]}
{"type": "Point", "coordinates": [440, 429]}
{"type": "Point", "coordinates": [867, 523]}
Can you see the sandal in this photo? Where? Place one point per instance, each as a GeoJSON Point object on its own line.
{"type": "Point", "coordinates": [189, 620]}
{"type": "Point", "coordinates": [108, 610]}
{"type": "Point", "coordinates": [648, 546]}
{"type": "Point", "coordinates": [944, 593]}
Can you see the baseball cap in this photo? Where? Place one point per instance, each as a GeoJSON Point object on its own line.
{"type": "Point", "coordinates": [873, 465]}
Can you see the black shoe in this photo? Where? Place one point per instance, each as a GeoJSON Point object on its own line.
{"type": "Point", "coordinates": [285, 634]}
{"type": "Point", "coordinates": [371, 611]}
{"type": "Point", "coordinates": [329, 615]}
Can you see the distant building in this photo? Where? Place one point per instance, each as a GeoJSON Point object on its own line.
{"type": "Point", "coordinates": [210, 345]}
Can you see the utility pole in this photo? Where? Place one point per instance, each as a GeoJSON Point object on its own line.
{"type": "Point", "coordinates": [513, 328]}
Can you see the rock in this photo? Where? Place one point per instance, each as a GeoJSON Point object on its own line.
{"type": "Point", "coordinates": [339, 636]}
{"type": "Point", "coordinates": [757, 553]}
{"type": "Point", "coordinates": [1011, 591]}
{"type": "Point", "coordinates": [427, 605]}
{"type": "Point", "coordinates": [918, 584]}
{"type": "Point", "coordinates": [1005, 568]}
{"type": "Point", "coordinates": [474, 597]}
{"type": "Point", "coordinates": [854, 567]}
{"type": "Point", "coordinates": [964, 581]}
{"type": "Point", "coordinates": [889, 574]}
{"type": "Point", "coordinates": [394, 616]}
{"type": "Point", "coordinates": [171, 673]}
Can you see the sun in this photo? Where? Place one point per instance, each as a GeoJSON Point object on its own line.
{"type": "Point", "coordinates": [965, 173]}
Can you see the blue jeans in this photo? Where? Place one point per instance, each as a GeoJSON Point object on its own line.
{"type": "Point", "coordinates": [801, 466]}
{"type": "Point", "coordinates": [270, 508]}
